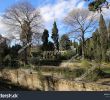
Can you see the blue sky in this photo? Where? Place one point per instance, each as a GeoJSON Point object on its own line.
{"type": "Point", "coordinates": [6, 3]}
{"type": "Point", "coordinates": [50, 10]}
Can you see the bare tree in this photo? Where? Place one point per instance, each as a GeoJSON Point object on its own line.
{"type": "Point", "coordinates": [24, 20]}
{"type": "Point", "coordinates": [80, 22]}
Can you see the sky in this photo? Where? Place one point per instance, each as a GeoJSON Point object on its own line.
{"type": "Point", "coordinates": [50, 10]}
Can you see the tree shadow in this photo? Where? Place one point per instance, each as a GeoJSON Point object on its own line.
{"type": "Point", "coordinates": [6, 85]}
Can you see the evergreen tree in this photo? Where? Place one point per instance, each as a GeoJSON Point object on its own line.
{"type": "Point", "coordinates": [45, 37]}
{"type": "Point", "coordinates": [3, 49]}
{"type": "Point", "coordinates": [97, 5]}
{"type": "Point", "coordinates": [89, 48]}
{"type": "Point", "coordinates": [103, 36]}
{"type": "Point", "coordinates": [55, 35]}
{"type": "Point", "coordinates": [109, 29]}
{"type": "Point", "coordinates": [50, 46]}
{"type": "Point", "coordinates": [65, 43]}
{"type": "Point", "coordinates": [109, 35]}
{"type": "Point", "coordinates": [45, 40]}
{"type": "Point", "coordinates": [96, 46]}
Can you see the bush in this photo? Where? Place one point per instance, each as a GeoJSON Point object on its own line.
{"type": "Point", "coordinates": [67, 55]}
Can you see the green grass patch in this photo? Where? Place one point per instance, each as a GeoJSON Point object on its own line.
{"type": "Point", "coordinates": [106, 70]}
{"type": "Point", "coordinates": [85, 64]}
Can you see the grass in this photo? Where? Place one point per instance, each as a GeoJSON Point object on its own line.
{"type": "Point", "coordinates": [85, 64]}
{"type": "Point", "coordinates": [65, 72]}
{"type": "Point", "coordinates": [106, 70]}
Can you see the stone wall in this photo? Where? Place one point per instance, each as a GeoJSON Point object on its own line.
{"type": "Point", "coordinates": [48, 83]}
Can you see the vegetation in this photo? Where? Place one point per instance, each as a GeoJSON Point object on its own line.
{"type": "Point", "coordinates": [63, 72]}
{"type": "Point", "coordinates": [21, 20]}
{"type": "Point", "coordinates": [65, 42]}
{"type": "Point", "coordinates": [79, 24]}
{"type": "Point", "coordinates": [47, 55]}
{"type": "Point", "coordinates": [55, 35]}
{"type": "Point", "coordinates": [47, 45]}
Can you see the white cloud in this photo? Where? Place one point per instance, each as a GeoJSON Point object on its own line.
{"type": "Point", "coordinates": [2, 26]}
{"type": "Point", "coordinates": [106, 13]}
{"type": "Point", "coordinates": [4, 29]}
{"type": "Point", "coordinates": [81, 4]}
{"type": "Point", "coordinates": [51, 11]}
{"type": "Point", "coordinates": [60, 9]}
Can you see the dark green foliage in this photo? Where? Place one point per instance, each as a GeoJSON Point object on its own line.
{"type": "Point", "coordinates": [109, 35]}
{"type": "Point", "coordinates": [55, 35]}
{"type": "Point", "coordinates": [89, 49]}
{"type": "Point", "coordinates": [96, 5]}
{"type": "Point", "coordinates": [4, 50]}
{"type": "Point", "coordinates": [50, 46]}
{"type": "Point", "coordinates": [11, 59]}
{"type": "Point", "coordinates": [103, 36]}
{"type": "Point", "coordinates": [97, 47]}
{"type": "Point", "coordinates": [47, 45]}
{"type": "Point", "coordinates": [45, 37]}
{"type": "Point", "coordinates": [45, 40]}
{"type": "Point", "coordinates": [14, 51]}
{"type": "Point", "coordinates": [65, 43]}
{"type": "Point", "coordinates": [47, 62]}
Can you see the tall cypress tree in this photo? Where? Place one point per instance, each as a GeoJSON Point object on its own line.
{"type": "Point", "coordinates": [89, 48]}
{"type": "Point", "coordinates": [109, 29]}
{"type": "Point", "coordinates": [55, 35]}
{"type": "Point", "coordinates": [109, 35]}
{"type": "Point", "coordinates": [97, 46]}
{"type": "Point", "coordinates": [103, 36]}
{"type": "Point", "coordinates": [45, 40]}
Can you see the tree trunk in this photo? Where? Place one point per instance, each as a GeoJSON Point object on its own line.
{"type": "Point", "coordinates": [83, 46]}
{"type": "Point", "coordinates": [26, 55]}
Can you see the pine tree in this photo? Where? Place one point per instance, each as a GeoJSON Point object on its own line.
{"type": "Point", "coordinates": [55, 35]}
{"type": "Point", "coordinates": [103, 36]}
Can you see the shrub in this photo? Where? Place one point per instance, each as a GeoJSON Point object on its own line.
{"type": "Point", "coordinates": [67, 55]}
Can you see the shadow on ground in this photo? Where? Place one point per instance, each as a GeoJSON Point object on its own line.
{"type": "Point", "coordinates": [6, 85]}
